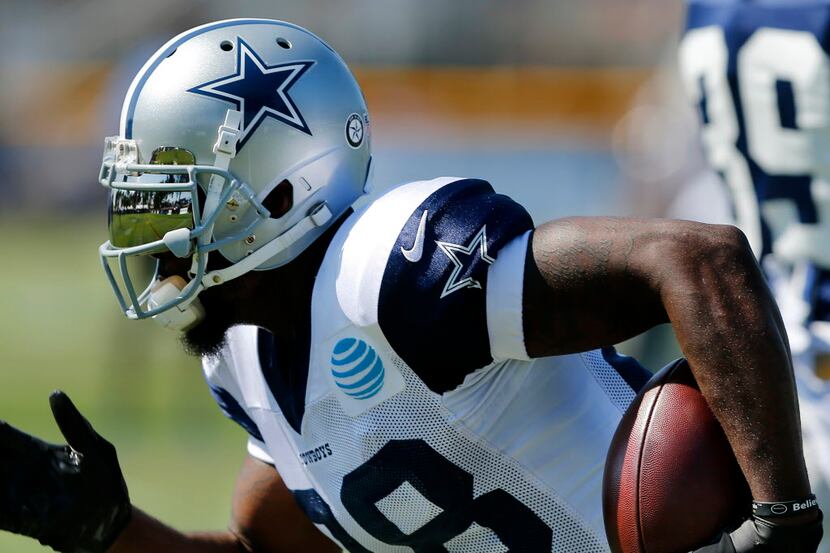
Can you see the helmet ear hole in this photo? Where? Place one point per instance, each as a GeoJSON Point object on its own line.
{"type": "Point", "coordinates": [280, 200]}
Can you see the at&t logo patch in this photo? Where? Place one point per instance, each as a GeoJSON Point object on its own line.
{"type": "Point", "coordinates": [357, 369]}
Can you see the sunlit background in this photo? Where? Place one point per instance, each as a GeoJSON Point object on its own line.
{"type": "Point", "coordinates": [569, 106]}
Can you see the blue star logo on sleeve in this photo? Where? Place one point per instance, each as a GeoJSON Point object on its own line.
{"type": "Point", "coordinates": [478, 245]}
{"type": "Point", "coordinates": [258, 90]}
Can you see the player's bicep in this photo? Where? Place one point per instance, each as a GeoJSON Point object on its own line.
{"type": "Point", "coordinates": [591, 282]}
{"type": "Point", "coordinates": [266, 517]}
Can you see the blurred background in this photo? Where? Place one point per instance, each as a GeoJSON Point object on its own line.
{"type": "Point", "coordinates": [570, 107]}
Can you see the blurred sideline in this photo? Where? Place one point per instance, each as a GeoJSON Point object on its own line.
{"type": "Point", "coordinates": [61, 103]}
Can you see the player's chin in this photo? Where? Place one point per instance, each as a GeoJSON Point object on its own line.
{"type": "Point", "coordinates": [206, 338]}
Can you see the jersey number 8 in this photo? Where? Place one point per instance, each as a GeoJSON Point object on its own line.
{"type": "Point", "coordinates": [444, 484]}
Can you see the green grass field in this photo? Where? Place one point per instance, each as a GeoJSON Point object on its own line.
{"type": "Point", "coordinates": [60, 327]}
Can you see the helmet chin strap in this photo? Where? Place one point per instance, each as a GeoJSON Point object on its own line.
{"type": "Point", "coordinates": [225, 150]}
{"type": "Point", "coordinates": [319, 216]}
{"type": "Point", "coordinates": [188, 314]}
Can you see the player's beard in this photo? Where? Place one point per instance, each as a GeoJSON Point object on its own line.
{"type": "Point", "coordinates": [206, 338]}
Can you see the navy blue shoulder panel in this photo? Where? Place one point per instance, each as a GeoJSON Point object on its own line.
{"type": "Point", "coordinates": [286, 373]}
{"type": "Point", "coordinates": [234, 411]}
{"type": "Point", "coordinates": [432, 304]}
{"type": "Point", "coordinates": [740, 19]}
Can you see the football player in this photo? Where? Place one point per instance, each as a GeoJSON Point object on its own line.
{"type": "Point", "coordinates": [759, 75]}
{"type": "Point", "coordinates": [427, 373]}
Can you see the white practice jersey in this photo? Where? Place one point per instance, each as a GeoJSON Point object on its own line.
{"type": "Point", "coordinates": [417, 421]}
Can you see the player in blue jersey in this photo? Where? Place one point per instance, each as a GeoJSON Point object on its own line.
{"type": "Point", "coordinates": [759, 74]}
{"type": "Point", "coordinates": [430, 372]}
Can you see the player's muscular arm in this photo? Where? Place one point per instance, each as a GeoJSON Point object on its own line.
{"type": "Point", "coordinates": [592, 282]}
{"type": "Point", "coordinates": [265, 519]}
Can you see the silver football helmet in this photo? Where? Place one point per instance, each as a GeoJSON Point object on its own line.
{"type": "Point", "coordinates": [246, 137]}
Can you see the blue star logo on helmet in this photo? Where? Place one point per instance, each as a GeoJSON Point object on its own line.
{"type": "Point", "coordinates": [258, 90]}
{"type": "Point", "coordinates": [357, 369]}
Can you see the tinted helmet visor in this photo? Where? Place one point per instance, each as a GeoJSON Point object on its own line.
{"type": "Point", "coordinates": [139, 216]}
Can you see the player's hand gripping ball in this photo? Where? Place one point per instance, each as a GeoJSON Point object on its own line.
{"type": "Point", "coordinates": [671, 480]}
{"type": "Point", "coordinates": [69, 497]}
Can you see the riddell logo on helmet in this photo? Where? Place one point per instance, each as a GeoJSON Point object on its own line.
{"type": "Point", "coordinates": [354, 130]}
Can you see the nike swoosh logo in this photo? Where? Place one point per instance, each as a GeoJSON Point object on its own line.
{"type": "Point", "coordinates": [413, 254]}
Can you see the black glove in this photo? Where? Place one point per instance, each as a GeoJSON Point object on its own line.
{"type": "Point", "coordinates": [70, 497]}
{"type": "Point", "coordinates": [760, 535]}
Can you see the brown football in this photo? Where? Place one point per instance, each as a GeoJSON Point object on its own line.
{"type": "Point", "coordinates": [671, 481]}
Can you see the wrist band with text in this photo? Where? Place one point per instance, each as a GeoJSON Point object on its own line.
{"type": "Point", "coordinates": [772, 509]}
